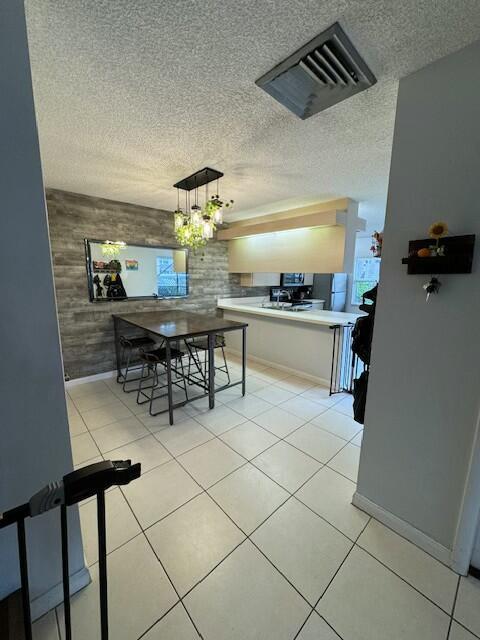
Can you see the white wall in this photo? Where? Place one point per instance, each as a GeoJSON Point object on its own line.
{"type": "Point", "coordinates": [423, 399]}
{"type": "Point", "coordinates": [35, 444]}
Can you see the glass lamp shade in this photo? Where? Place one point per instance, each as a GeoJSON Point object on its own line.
{"type": "Point", "coordinates": [207, 230]}
{"type": "Point", "coordinates": [218, 216]}
{"type": "Point", "coordinates": [112, 249]}
{"type": "Point", "coordinates": [195, 217]}
{"type": "Point", "coordinates": [178, 220]}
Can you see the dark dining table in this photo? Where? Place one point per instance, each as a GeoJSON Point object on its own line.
{"type": "Point", "coordinates": [174, 326]}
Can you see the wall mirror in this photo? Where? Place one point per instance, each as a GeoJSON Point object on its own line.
{"type": "Point", "coordinates": [120, 271]}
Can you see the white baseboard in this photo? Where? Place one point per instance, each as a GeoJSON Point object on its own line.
{"type": "Point", "coordinates": [54, 596]}
{"type": "Point", "coordinates": [93, 378]}
{"type": "Point", "coordinates": [275, 365]}
{"type": "Point", "coordinates": [404, 529]}
{"type": "Point", "coordinates": [294, 372]}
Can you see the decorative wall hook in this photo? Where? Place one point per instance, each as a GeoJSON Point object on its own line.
{"type": "Point", "coordinates": [432, 286]}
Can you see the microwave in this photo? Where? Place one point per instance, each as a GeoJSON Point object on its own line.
{"type": "Point", "coordinates": [292, 279]}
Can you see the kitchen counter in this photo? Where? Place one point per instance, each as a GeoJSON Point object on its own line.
{"type": "Point", "coordinates": [300, 342]}
{"type": "Point", "coordinates": [254, 306]}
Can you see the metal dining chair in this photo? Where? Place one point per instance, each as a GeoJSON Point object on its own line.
{"type": "Point", "coordinates": [152, 361]}
{"type": "Point", "coordinates": [196, 347]}
{"type": "Point", "coordinates": [130, 348]}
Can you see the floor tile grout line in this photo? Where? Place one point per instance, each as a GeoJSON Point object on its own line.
{"type": "Point", "coordinates": [233, 471]}
{"type": "Point", "coordinates": [324, 518]}
{"type": "Point", "coordinates": [314, 612]}
{"type": "Point", "coordinates": [474, 635]}
{"type": "Point", "coordinates": [291, 495]}
{"type": "Point", "coordinates": [334, 576]}
{"type": "Point", "coordinates": [249, 461]}
{"type": "Point", "coordinates": [180, 506]}
{"type": "Point", "coordinates": [325, 407]}
{"type": "Point", "coordinates": [402, 578]}
{"type": "Point", "coordinates": [309, 604]}
{"type": "Point", "coordinates": [336, 573]}
{"type": "Point", "coordinates": [343, 562]}
{"type": "Point", "coordinates": [122, 445]}
{"type": "Point", "coordinates": [248, 536]}
{"type": "Point", "coordinates": [328, 623]}
{"type": "Point", "coordinates": [164, 570]}
{"type": "Point", "coordinates": [356, 544]}
{"type": "Point", "coordinates": [144, 532]}
{"type": "Point", "coordinates": [412, 543]}
{"type": "Point", "coordinates": [238, 526]}
{"type": "Point", "coordinates": [218, 436]}
{"type": "Point", "coordinates": [450, 623]}
{"type": "Point", "coordinates": [120, 546]}
{"type": "Point", "coordinates": [284, 439]}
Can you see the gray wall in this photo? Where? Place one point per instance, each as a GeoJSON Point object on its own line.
{"type": "Point", "coordinates": [424, 395]}
{"type": "Point", "coordinates": [86, 328]}
{"type": "Point", "coordinates": [35, 443]}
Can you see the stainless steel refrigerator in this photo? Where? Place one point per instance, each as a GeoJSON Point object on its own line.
{"type": "Point", "coordinates": [331, 287]}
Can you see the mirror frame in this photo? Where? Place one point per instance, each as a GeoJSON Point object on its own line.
{"type": "Point", "coordinates": [90, 276]}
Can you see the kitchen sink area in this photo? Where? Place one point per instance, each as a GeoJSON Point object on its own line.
{"type": "Point", "coordinates": [289, 306]}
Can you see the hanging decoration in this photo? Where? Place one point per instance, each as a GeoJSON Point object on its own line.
{"type": "Point", "coordinates": [195, 224]}
{"type": "Point", "coordinates": [432, 286]}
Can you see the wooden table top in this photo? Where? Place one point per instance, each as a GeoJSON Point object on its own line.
{"type": "Point", "coordinates": [178, 324]}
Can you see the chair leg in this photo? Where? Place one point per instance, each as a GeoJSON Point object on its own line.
{"type": "Point", "coordinates": [122, 355]}
{"type": "Point", "coordinates": [226, 365]}
{"type": "Point", "coordinates": [127, 366]}
{"type": "Point", "coordinates": [194, 355]}
{"type": "Point", "coordinates": [152, 391]}
{"type": "Point", "coordinates": [183, 378]}
{"type": "Point", "coordinates": [140, 383]}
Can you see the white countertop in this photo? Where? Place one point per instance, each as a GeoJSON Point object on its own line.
{"type": "Point", "coordinates": [253, 306]}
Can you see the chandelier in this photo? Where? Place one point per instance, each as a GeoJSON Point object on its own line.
{"type": "Point", "coordinates": [112, 249]}
{"type": "Point", "coordinates": [195, 224]}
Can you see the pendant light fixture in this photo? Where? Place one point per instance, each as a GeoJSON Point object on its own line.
{"type": "Point", "coordinates": [196, 225]}
{"type": "Point", "coordinates": [111, 249]}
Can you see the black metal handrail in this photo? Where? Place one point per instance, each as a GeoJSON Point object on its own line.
{"type": "Point", "coordinates": [92, 480]}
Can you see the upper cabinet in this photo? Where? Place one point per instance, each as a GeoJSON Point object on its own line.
{"type": "Point", "coordinates": [315, 239]}
{"type": "Point", "coordinates": [260, 279]}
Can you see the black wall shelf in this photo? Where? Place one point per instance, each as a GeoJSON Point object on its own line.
{"type": "Point", "coordinates": [458, 256]}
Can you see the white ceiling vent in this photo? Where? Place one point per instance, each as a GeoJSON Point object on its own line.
{"type": "Point", "coordinates": [325, 71]}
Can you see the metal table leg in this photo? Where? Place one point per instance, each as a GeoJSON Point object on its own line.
{"type": "Point", "coordinates": [211, 370]}
{"type": "Point", "coordinates": [169, 381]}
{"type": "Point", "coordinates": [244, 357]}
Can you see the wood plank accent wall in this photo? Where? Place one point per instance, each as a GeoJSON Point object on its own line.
{"type": "Point", "coordinates": [86, 328]}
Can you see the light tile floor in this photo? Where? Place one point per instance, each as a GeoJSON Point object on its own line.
{"type": "Point", "coordinates": [241, 526]}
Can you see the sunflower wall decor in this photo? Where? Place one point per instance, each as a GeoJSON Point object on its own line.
{"type": "Point", "coordinates": [436, 231]}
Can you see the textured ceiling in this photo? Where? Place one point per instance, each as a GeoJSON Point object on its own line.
{"type": "Point", "coordinates": [133, 95]}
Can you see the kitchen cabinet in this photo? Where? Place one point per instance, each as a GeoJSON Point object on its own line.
{"type": "Point", "coordinates": [260, 279]}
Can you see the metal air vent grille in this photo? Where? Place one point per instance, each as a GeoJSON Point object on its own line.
{"type": "Point", "coordinates": [322, 73]}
